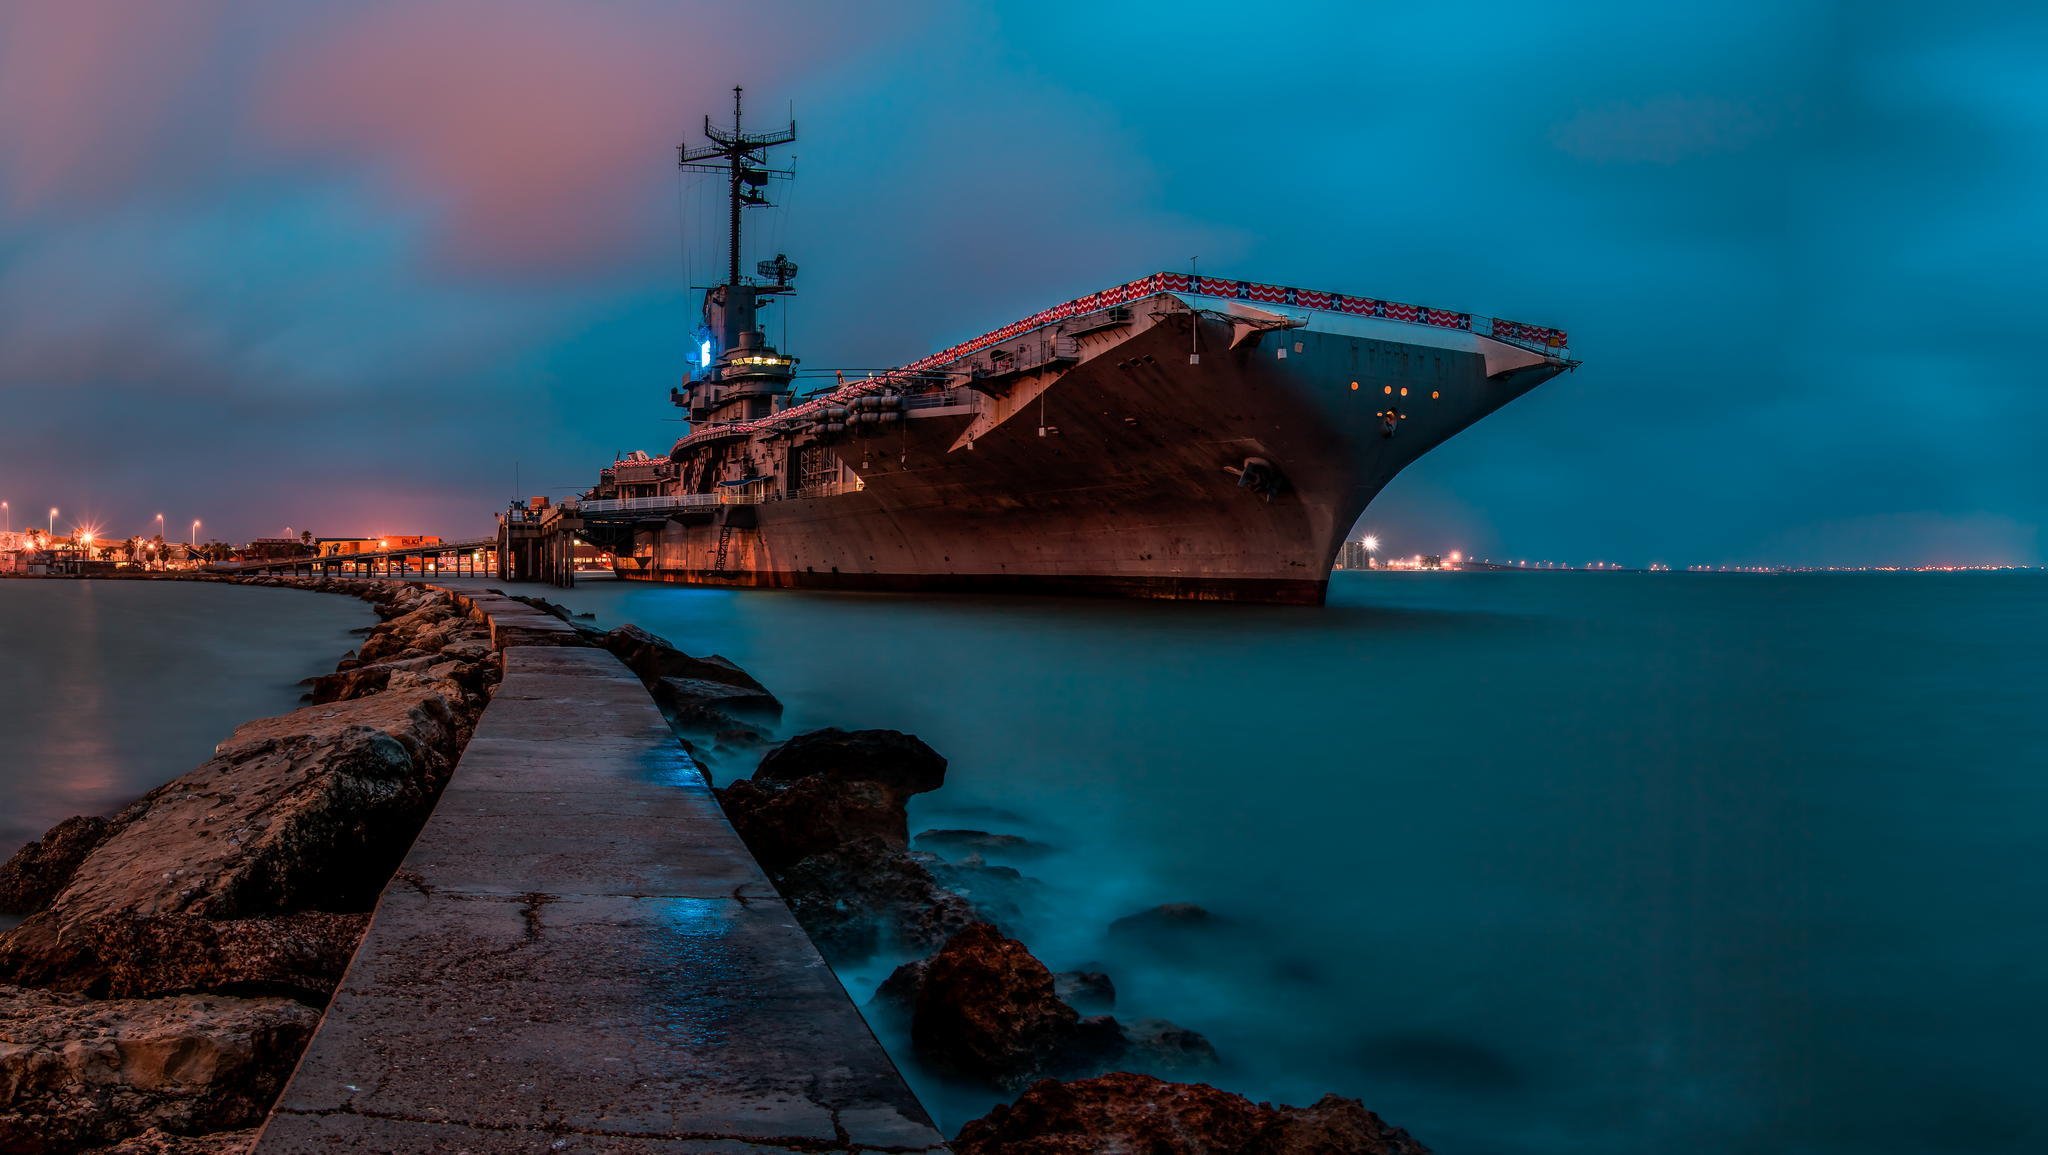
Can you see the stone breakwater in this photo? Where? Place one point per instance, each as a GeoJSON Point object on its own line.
{"type": "Point", "coordinates": [825, 814]}
{"type": "Point", "coordinates": [173, 957]}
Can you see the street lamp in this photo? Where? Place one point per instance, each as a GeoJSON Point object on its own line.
{"type": "Point", "coordinates": [195, 533]}
{"type": "Point", "coordinates": [7, 512]}
{"type": "Point", "coordinates": [1372, 546]}
{"type": "Point", "coordinates": [53, 521]}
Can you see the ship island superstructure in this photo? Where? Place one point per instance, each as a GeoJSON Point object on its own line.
{"type": "Point", "coordinates": [1174, 436]}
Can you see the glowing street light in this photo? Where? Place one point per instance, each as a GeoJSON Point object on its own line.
{"type": "Point", "coordinates": [7, 512]}
{"type": "Point", "coordinates": [195, 533]}
{"type": "Point", "coordinates": [53, 521]}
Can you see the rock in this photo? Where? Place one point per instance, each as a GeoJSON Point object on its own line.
{"type": "Point", "coordinates": [295, 815]}
{"type": "Point", "coordinates": [292, 814]}
{"type": "Point", "coordinates": [139, 956]}
{"type": "Point", "coordinates": [785, 824]}
{"type": "Point", "coordinates": [678, 692]}
{"type": "Point", "coordinates": [984, 1008]}
{"type": "Point", "coordinates": [360, 681]}
{"type": "Point", "coordinates": [987, 1009]}
{"type": "Point", "coordinates": [740, 736]}
{"type": "Point", "coordinates": [426, 629]}
{"type": "Point", "coordinates": [652, 659]}
{"type": "Point", "coordinates": [1000, 893]}
{"type": "Point", "coordinates": [1159, 1047]}
{"type": "Point", "coordinates": [39, 870]}
{"type": "Point", "coordinates": [896, 998]}
{"type": "Point", "coordinates": [824, 814]}
{"type": "Point", "coordinates": [77, 1072]}
{"type": "Point", "coordinates": [1335, 1123]}
{"type": "Point", "coordinates": [889, 758]}
{"type": "Point", "coordinates": [979, 842]}
{"type": "Point", "coordinates": [866, 894]}
{"type": "Point", "coordinates": [155, 1142]}
{"type": "Point", "coordinates": [1127, 1112]}
{"type": "Point", "coordinates": [1085, 990]}
{"type": "Point", "coordinates": [1166, 918]}
{"type": "Point", "coordinates": [696, 717]}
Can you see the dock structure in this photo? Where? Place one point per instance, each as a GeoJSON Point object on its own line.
{"type": "Point", "coordinates": [580, 954]}
{"type": "Point", "coordinates": [537, 542]}
{"type": "Point", "coordinates": [442, 559]}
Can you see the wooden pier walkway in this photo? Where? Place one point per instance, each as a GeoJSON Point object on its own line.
{"type": "Point", "coordinates": [579, 954]}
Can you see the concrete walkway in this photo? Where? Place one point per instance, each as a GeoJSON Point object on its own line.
{"type": "Point", "coordinates": [580, 955]}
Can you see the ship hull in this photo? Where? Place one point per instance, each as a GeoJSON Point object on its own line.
{"type": "Point", "coordinates": [1188, 454]}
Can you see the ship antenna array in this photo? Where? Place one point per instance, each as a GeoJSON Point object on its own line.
{"type": "Point", "coordinates": [743, 160]}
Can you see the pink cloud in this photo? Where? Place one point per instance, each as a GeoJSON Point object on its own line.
{"type": "Point", "coordinates": [540, 132]}
{"type": "Point", "coordinates": [89, 94]}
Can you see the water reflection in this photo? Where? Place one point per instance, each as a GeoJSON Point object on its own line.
{"type": "Point", "coordinates": [108, 689]}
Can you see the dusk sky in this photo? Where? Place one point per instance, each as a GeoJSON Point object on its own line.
{"type": "Point", "coordinates": [339, 266]}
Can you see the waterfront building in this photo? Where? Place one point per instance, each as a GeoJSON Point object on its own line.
{"type": "Point", "coordinates": [347, 546]}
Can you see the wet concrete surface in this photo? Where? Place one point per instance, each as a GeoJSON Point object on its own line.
{"type": "Point", "coordinates": [579, 954]}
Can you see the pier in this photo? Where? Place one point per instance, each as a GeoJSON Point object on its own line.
{"type": "Point", "coordinates": [580, 954]}
{"type": "Point", "coordinates": [450, 559]}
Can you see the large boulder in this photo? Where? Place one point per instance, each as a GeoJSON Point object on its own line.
{"type": "Point", "coordinates": [312, 811]}
{"type": "Point", "coordinates": [899, 763]}
{"type": "Point", "coordinates": [78, 1073]}
{"type": "Point", "coordinates": [984, 1008]}
{"type": "Point", "coordinates": [425, 629]}
{"type": "Point", "coordinates": [298, 815]}
{"type": "Point", "coordinates": [1126, 1112]}
{"type": "Point", "coordinates": [653, 659]}
{"type": "Point", "coordinates": [784, 823]}
{"type": "Point", "coordinates": [825, 816]}
{"type": "Point", "coordinates": [35, 874]}
{"type": "Point", "coordinates": [121, 955]}
{"type": "Point", "coordinates": [859, 897]}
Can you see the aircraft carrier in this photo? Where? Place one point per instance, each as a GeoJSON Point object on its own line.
{"type": "Point", "coordinates": [1175, 436]}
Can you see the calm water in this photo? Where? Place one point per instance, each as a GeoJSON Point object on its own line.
{"type": "Point", "coordinates": [1531, 863]}
{"type": "Point", "coordinates": [109, 688]}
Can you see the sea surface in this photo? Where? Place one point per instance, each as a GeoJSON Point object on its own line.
{"type": "Point", "coordinates": [1566, 862]}
{"type": "Point", "coordinates": [1562, 862]}
{"type": "Point", "coordinates": [110, 688]}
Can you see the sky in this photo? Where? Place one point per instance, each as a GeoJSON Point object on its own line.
{"type": "Point", "coordinates": [379, 267]}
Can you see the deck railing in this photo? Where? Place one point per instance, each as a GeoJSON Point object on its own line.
{"type": "Point", "coordinates": [671, 501]}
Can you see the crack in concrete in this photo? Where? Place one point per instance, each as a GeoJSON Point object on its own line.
{"type": "Point", "coordinates": [530, 905]}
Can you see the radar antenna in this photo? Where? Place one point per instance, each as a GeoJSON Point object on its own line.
{"type": "Point", "coordinates": [743, 159]}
